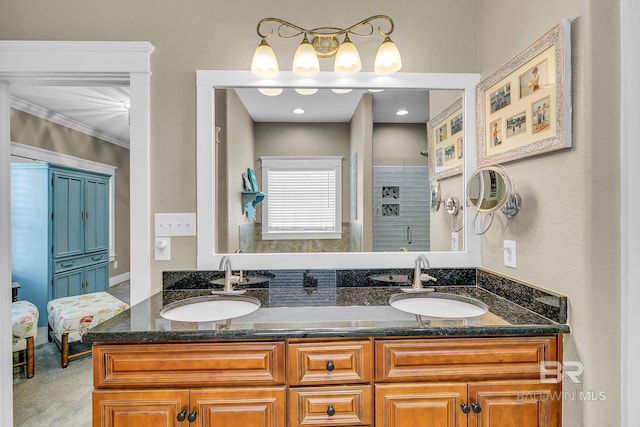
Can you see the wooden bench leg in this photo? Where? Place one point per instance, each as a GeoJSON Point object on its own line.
{"type": "Point", "coordinates": [30, 358]}
{"type": "Point", "coordinates": [65, 350]}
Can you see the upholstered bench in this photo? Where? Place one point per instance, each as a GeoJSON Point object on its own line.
{"type": "Point", "coordinates": [24, 326]}
{"type": "Point", "coordinates": [70, 317]}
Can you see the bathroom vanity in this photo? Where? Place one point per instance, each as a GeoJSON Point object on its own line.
{"type": "Point", "coordinates": [355, 361]}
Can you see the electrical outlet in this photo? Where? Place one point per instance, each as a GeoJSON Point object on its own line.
{"type": "Point", "coordinates": [455, 241]}
{"type": "Point", "coordinates": [163, 249]}
{"type": "Point", "coordinates": [175, 224]}
{"type": "Point", "coordinates": [509, 251]}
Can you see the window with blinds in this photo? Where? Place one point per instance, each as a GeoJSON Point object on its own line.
{"type": "Point", "coordinates": [303, 197]}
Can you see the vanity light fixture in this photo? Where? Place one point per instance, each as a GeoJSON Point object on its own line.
{"type": "Point", "coordinates": [298, 111]}
{"type": "Point", "coordinates": [376, 90]}
{"type": "Point", "coordinates": [323, 42]}
{"type": "Point", "coordinates": [402, 112]}
{"type": "Point", "coordinates": [341, 91]}
{"type": "Point", "coordinates": [270, 91]}
{"type": "Point", "coordinates": [306, 91]}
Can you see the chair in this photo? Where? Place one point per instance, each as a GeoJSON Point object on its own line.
{"type": "Point", "coordinates": [24, 325]}
{"type": "Point", "coordinates": [70, 317]}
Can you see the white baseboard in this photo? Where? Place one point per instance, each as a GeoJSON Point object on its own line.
{"type": "Point", "coordinates": [116, 280]}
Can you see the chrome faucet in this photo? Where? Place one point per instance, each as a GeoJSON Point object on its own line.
{"type": "Point", "coordinates": [419, 276]}
{"type": "Point", "coordinates": [229, 277]}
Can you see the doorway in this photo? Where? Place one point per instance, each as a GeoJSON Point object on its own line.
{"type": "Point", "coordinates": [62, 64]}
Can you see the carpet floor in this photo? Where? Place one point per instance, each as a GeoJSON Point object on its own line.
{"type": "Point", "coordinates": [56, 397]}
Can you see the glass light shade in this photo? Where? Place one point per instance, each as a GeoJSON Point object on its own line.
{"type": "Point", "coordinates": [270, 91]}
{"type": "Point", "coordinates": [305, 61]}
{"type": "Point", "coordinates": [306, 90]}
{"type": "Point", "coordinates": [388, 58]}
{"type": "Point", "coordinates": [264, 62]}
{"type": "Point", "coordinates": [340, 91]}
{"type": "Point", "coordinates": [347, 58]}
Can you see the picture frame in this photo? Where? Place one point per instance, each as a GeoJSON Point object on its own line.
{"type": "Point", "coordinates": [445, 142]}
{"type": "Point", "coordinates": [524, 107]}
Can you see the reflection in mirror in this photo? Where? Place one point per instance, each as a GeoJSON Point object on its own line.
{"type": "Point", "coordinates": [490, 189]}
{"type": "Point", "coordinates": [436, 197]}
{"type": "Point", "coordinates": [385, 201]}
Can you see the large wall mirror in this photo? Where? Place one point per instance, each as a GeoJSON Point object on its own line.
{"type": "Point", "coordinates": [383, 190]}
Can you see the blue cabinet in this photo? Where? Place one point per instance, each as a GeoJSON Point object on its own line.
{"type": "Point", "coordinates": [60, 232]}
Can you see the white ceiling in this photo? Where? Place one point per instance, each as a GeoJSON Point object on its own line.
{"type": "Point", "coordinates": [103, 111]}
{"type": "Point", "coordinates": [99, 111]}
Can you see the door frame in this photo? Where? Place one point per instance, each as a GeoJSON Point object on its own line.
{"type": "Point", "coordinates": [63, 63]}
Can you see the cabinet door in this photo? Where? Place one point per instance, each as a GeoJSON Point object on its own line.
{"type": "Point", "coordinates": [415, 404]}
{"type": "Point", "coordinates": [142, 408]}
{"type": "Point", "coordinates": [96, 278]}
{"type": "Point", "coordinates": [67, 284]}
{"type": "Point", "coordinates": [96, 216]}
{"type": "Point", "coordinates": [67, 214]}
{"type": "Point", "coordinates": [514, 403]}
{"type": "Point", "coordinates": [262, 407]}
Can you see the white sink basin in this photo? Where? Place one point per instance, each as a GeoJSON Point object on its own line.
{"type": "Point", "coordinates": [446, 306]}
{"type": "Point", "coordinates": [210, 308]}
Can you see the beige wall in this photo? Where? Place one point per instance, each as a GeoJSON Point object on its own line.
{"type": "Point", "coordinates": [36, 132]}
{"type": "Point", "coordinates": [362, 147]}
{"type": "Point", "coordinates": [567, 233]}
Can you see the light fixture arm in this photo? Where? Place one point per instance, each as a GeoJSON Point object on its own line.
{"type": "Point", "coordinates": [323, 33]}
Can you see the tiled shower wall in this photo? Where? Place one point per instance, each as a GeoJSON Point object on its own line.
{"type": "Point", "coordinates": [400, 208]}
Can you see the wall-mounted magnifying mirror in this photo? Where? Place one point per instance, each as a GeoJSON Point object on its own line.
{"type": "Point", "coordinates": [436, 197]}
{"type": "Point", "coordinates": [491, 189]}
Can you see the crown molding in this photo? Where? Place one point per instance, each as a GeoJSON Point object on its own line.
{"type": "Point", "coordinates": [44, 113]}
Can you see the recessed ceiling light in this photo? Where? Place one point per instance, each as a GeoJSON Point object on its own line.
{"type": "Point", "coordinates": [341, 90]}
{"type": "Point", "coordinates": [298, 111]}
{"type": "Point", "coordinates": [270, 91]}
{"type": "Point", "coordinates": [306, 91]}
{"type": "Point", "coordinates": [376, 90]}
{"type": "Point", "coordinates": [402, 112]}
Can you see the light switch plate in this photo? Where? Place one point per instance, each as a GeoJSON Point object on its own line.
{"type": "Point", "coordinates": [175, 224]}
{"type": "Point", "coordinates": [509, 251]}
{"type": "Point", "coordinates": [455, 241]}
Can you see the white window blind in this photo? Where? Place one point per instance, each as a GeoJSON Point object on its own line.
{"type": "Point", "coordinates": [303, 197]}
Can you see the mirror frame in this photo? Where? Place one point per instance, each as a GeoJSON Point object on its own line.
{"type": "Point", "coordinates": [209, 80]}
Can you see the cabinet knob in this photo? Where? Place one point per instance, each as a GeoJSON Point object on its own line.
{"type": "Point", "coordinates": [465, 408]}
{"type": "Point", "coordinates": [182, 415]}
{"type": "Point", "coordinates": [330, 366]}
{"type": "Point", "coordinates": [192, 416]}
{"type": "Point", "coordinates": [331, 411]}
{"type": "Point", "coordinates": [476, 408]}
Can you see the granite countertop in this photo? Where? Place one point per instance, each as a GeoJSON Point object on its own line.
{"type": "Point", "coordinates": [341, 312]}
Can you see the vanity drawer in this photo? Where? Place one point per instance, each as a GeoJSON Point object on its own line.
{"type": "Point", "coordinates": [339, 406]}
{"type": "Point", "coordinates": [337, 362]}
{"type": "Point", "coordinates": [188, 365]}
{"type": "Point", "coordinates": [463, 359]}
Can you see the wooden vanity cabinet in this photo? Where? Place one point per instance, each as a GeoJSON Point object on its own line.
{"type": "Point", "coordinates": [488, 382]}
{"type": "Point", "coordinates": [195, 384]}
{"type": "Point", "coordinates": [404, 382]}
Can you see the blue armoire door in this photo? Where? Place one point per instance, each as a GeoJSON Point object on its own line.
{"type": "Point", "coordinates": [96, 216]}
{"type": "Point", "coordinates": [68, 213]}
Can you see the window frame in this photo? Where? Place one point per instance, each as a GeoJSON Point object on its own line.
{"type": "Point", "coordinates": [302, 163]}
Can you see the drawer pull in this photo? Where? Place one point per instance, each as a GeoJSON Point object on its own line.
{"type": "Point", "coordinates": [96, 257]}
{"type": "Point", "coordinates": [465, 408]}
{"type": "Point", "coordinates": [331, 411]}
{"type": "Point", "coordinates": [192, 416]}
{"type": "Point", "coordinates": [330, 366]}
{"type": "Point", "coordinates": [476, 408]}
{"type": "Point", "coordinates": [182, 416]}
{"type": "Point", "coordinates": [63, 265]}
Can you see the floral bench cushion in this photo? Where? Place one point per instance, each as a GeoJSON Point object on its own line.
{"type": "Point", "coordinates": [74, 315]}
{"type": "Point", "coordinates": [24, 323]}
